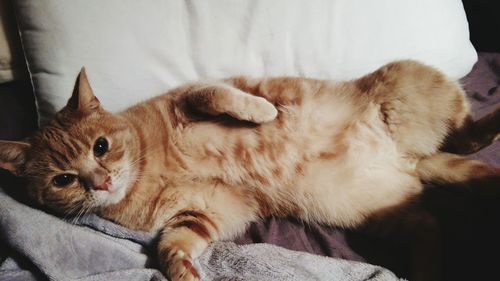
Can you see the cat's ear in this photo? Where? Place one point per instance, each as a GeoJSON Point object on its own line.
{"type": "Point", "coordinates": [83, 98]}
{"type": "Point", "coordinates": [12, 155]}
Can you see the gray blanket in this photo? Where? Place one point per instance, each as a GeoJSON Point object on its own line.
{"type": "Point", "coordinates": [40, 246]}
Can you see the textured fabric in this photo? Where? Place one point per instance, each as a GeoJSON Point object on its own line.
{"type": "Point", "coordinates": [63, 251]}
{"type": "Point", "coordinates": [264, 262]}
{"type": "Point", "coordinates": [483, 89]}
{"type": "Point", "coordinates": [101, 250]}
{"type": "Point", "coordinates": [137, 49]}
{"type": "Point", "coordinates": [295, 235]}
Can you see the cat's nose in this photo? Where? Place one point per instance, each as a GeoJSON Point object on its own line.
{"type": "Point", "coordinates": [95, 179]}
{"type": "Point", "coordinates": [104, 185]}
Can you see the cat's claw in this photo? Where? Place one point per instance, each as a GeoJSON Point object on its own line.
{"type": "Point", "coordinates": [183, 270]}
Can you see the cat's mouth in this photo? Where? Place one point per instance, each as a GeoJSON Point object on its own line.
{"type": "Point", "coordinates": [112, 191]}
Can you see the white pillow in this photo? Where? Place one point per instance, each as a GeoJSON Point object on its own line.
{"type": "Point", "coordinates": [137, 49]}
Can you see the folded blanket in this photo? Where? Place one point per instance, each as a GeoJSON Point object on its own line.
{"type": "Point", "coordinates": [43, 246]}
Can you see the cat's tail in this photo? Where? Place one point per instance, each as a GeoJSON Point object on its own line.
{"type": "Point", "coordinates": [447, 168]}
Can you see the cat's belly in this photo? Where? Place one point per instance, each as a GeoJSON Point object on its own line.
{"type": "Point", "coordinates": [356, 176]}
{"type": "Point", "coordinates": [368, 176]}
{"type": "Point", "coordinates": [345, 195]}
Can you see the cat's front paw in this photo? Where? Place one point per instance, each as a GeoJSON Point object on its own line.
{"type": "Point", "coordinates": [180, 268]}
{"type": "Point", "coordinates": [261, 111]}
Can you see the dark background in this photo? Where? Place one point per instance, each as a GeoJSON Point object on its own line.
{"type": "Point", "coordinates": [484, 24]}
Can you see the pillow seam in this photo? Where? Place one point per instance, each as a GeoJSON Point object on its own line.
{"type": "Point", "coordinates": [28, 67]}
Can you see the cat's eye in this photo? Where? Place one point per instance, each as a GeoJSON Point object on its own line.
{"type": "Point", "coordinates": [100, 147]}
{"type": "Point", "coordinates": [63, 180]}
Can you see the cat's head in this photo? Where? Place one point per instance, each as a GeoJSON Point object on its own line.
{"type": "Point", "coordinates": [82, 159]}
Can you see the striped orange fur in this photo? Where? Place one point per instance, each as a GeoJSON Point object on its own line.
{"type": "Point", "coordinates": [203, 161]}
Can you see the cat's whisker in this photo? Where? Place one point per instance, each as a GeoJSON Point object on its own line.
{"type": "Point", "coordinates": [88, 209]}
{"type": "Point", "coordinates": [70, 212]}
{"type": "Point", "coordinates": [75, 218]}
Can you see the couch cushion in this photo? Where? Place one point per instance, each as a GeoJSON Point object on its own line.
{"type": "Point", "coordinates": [137, 49]}
{"type": "Point", "coordinates": [12, 64]}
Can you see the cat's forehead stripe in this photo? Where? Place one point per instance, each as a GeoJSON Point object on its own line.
{"type": "Point", "coordinates": [59, 159]}
{"type": "Point", "coordinates": [58, 122]}
{"type": "Point", "coordinates": [76, 132]}
{"type": "Point", "coordinates": [71, 145]}
{"type": "Point", "coordinates": [63, 147]}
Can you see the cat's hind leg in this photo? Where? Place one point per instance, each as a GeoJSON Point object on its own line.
{"type": "Point", "coordinates": [474, 135]}
{"type": "Point", "coordinates": [418, 104]}
{"type": "Point", "coordinates": [447, 168]}
{"type": "Point", "coordinates": [221, 98]}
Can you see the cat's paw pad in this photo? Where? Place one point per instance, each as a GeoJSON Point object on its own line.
{"type": "Point", "coordinates": [262, 111]}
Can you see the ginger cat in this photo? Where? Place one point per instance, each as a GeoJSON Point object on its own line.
{"type": "Point", "coordinates": [200, 163]}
